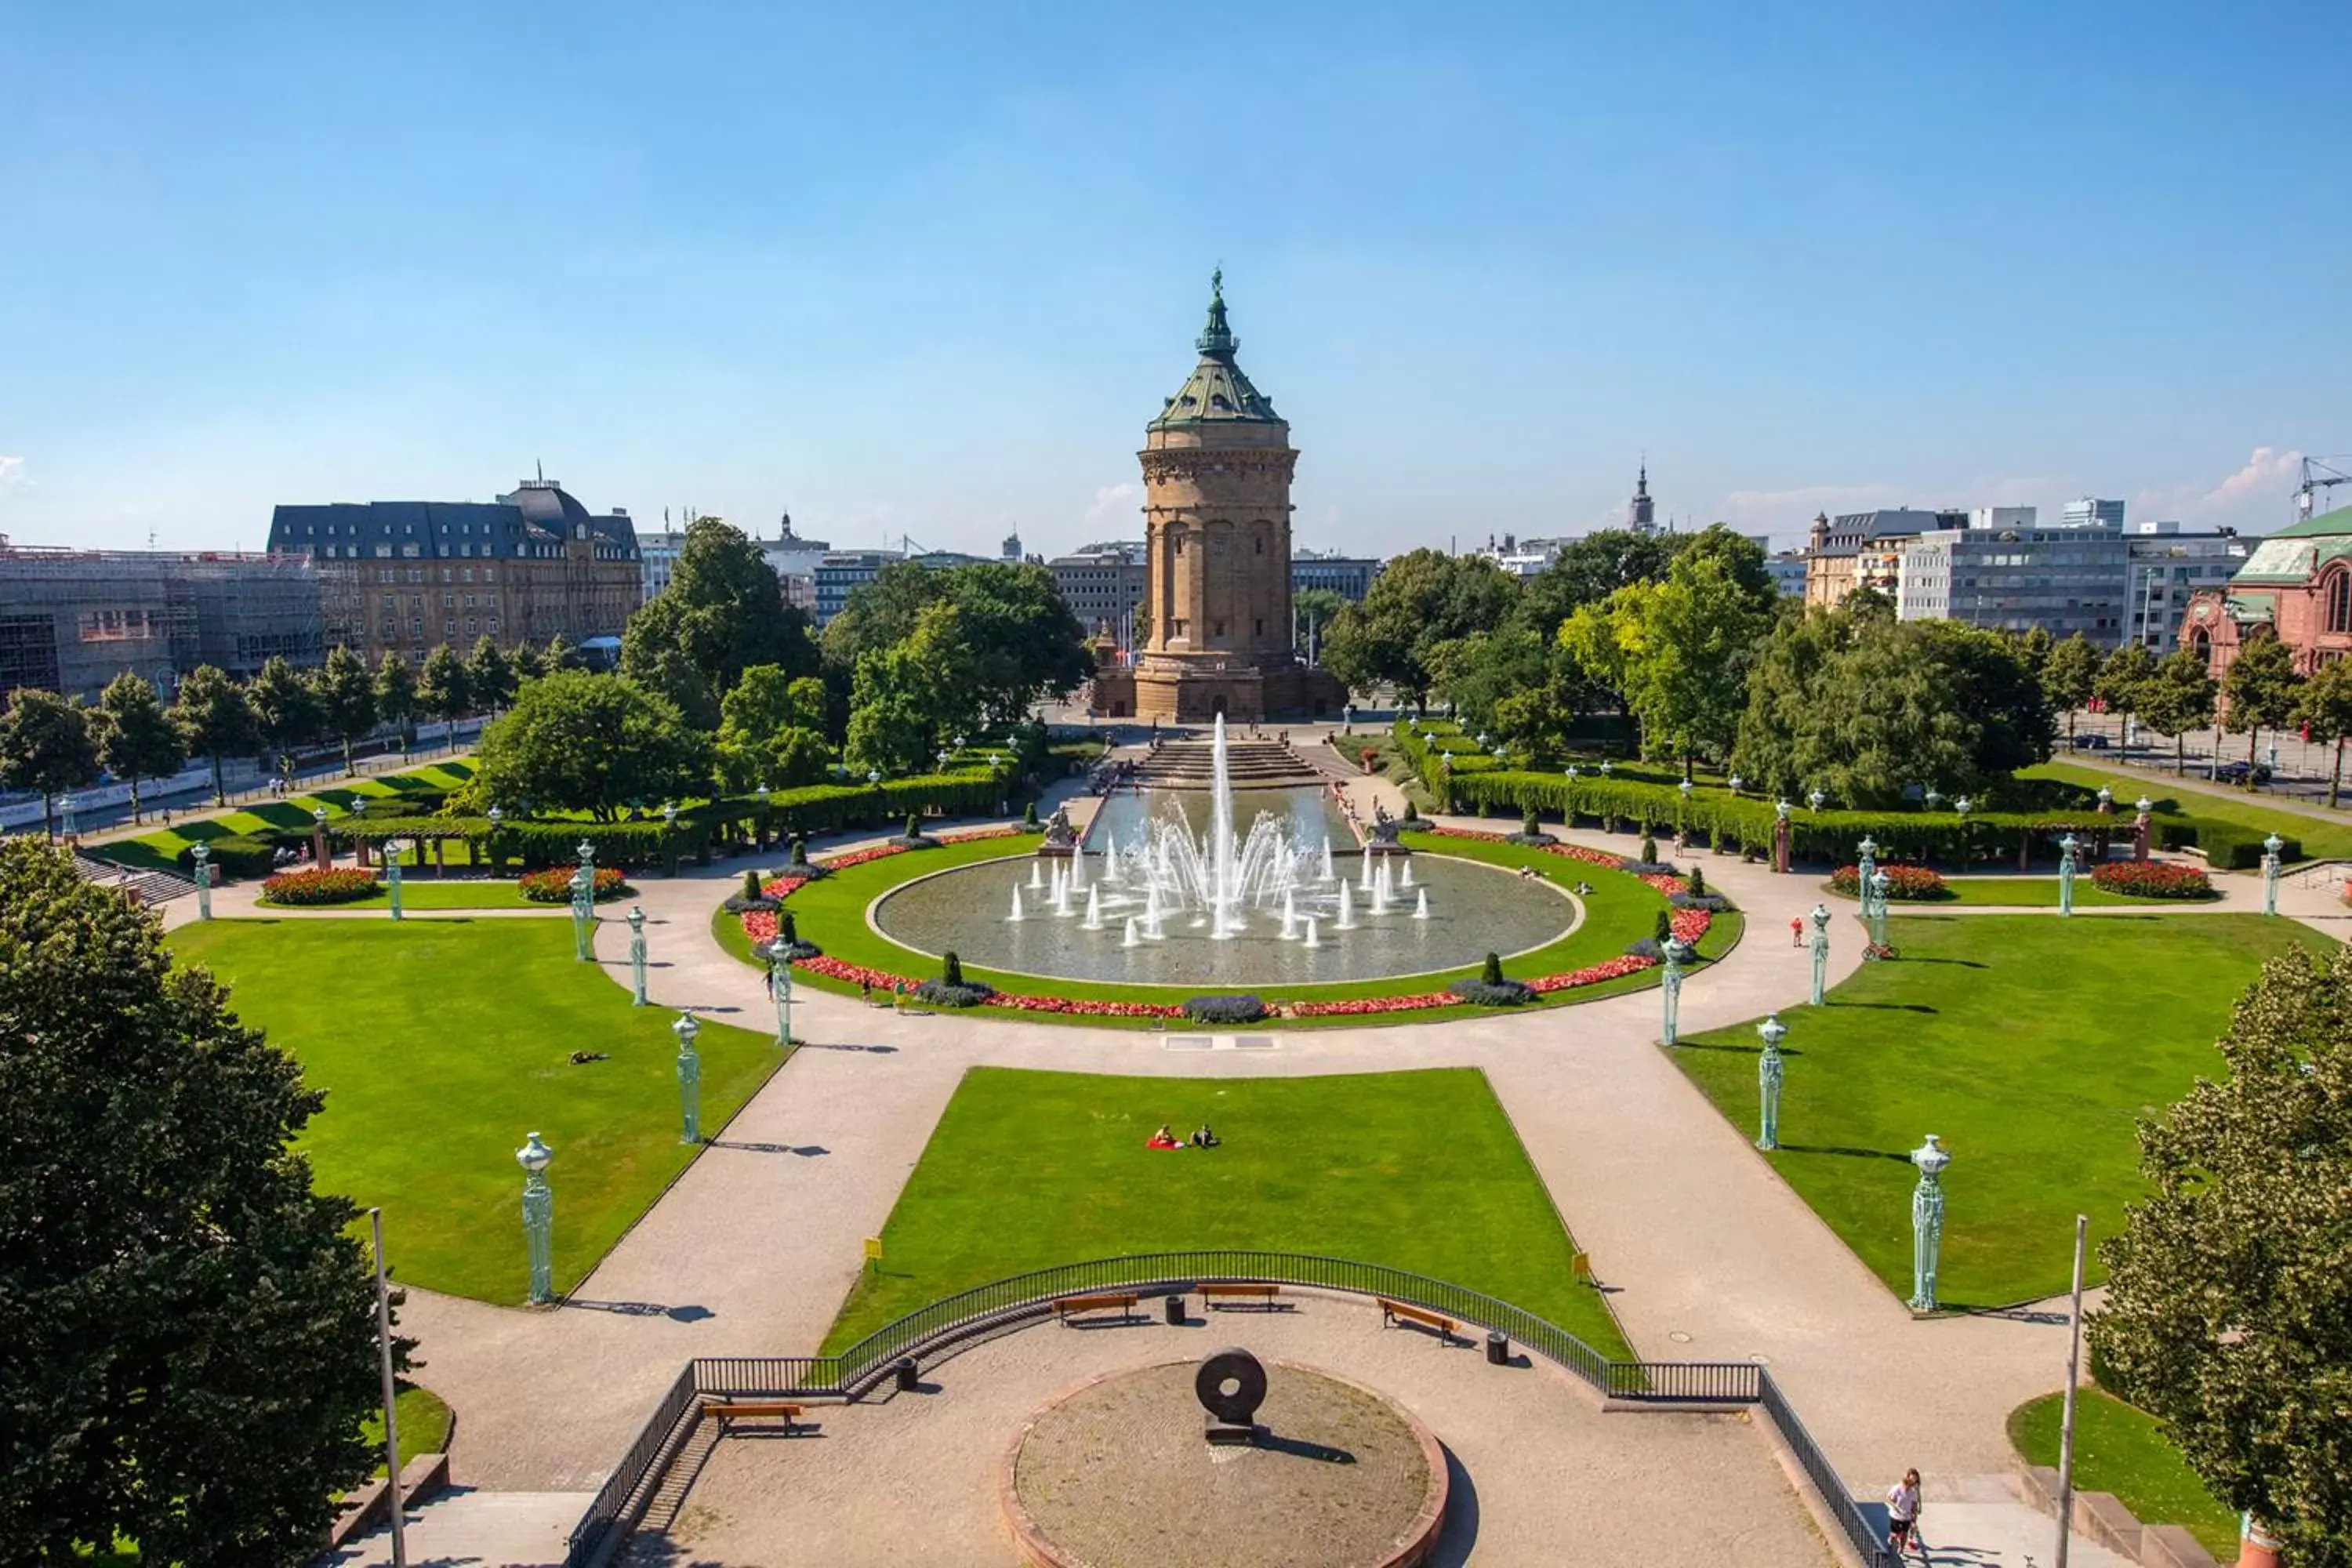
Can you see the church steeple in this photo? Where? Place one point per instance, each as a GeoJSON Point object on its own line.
{"type": "Point", "coordinates": [1641, 514]}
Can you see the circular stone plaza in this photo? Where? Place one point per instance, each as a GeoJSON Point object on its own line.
{"type": "Point", "coordinates": [932, 1287]}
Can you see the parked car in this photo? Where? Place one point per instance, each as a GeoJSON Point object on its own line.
{"type": "Point", "coordinates": [2090, 743]}
{"type": "Point", "coordinates": [2235, 772]}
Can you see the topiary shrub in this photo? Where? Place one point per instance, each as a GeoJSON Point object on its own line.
{"type": "Point", "coordinates": [1649, 849]}
{"type": "Point", "coordinates": [1904, 884]}
{"type": "Point", "coordinates": [1491, 989]}
{"type": "Point", "coordinates": [952, 968]}
{"type": "Point", "coordinates": [751, 885]}
{"type": "Point", "coordinates": [750, 898]}
{"type": "Point", "coordinates": [1664, 927]}
{"type": "Point", "coordinates": [950, 989]}
{"type": "Point", "coordinates": [788, 938]}
{"type": "Point", "coordinates": [1411, 812]}
{"type": "Point", "coordinates": [1029, 816]}
{"type": "Point", "coordinates": [1696, 885]}
{"type": "Point", "coordinates": [1240, 1008]}
{"type": "Point", "coordinates": [1491, 973]}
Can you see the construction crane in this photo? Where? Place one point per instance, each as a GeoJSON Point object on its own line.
{"type": "Point", "coordinates": [2319, 474]}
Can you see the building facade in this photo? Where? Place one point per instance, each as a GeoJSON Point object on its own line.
{"type": "Point", "coordinates": [2090, 510]}
{"type": "Point", "coordinates": [2010, 578]}
{"type": "Point", "coordinates": [841, 573]}
{"type": "Point", "coordinates": [406, 577]}
{"type": "Point", "coordinates": [1104, 585]}
{"type": "Point", "coordinates": [1834, 552]}
{"type": "Point", "coordinates": [1349, 576]}
{"type": "Point", "coordinates": [1217, 466]}
{"type": "Point", "coordinates": [2165, 569]}
{"type": "Point", "coordinates": [72, 620]}
{"type": "Point", "coordinates": [2295, 585]}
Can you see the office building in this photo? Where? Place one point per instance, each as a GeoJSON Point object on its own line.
{"type": "Point", "coordinates": [1349, 576]}
{"type": "Point", "coordinates": [1104, 585]}
{"type": "Point", "coordinates": [2089, 510]}
{"type": "Point", "coordinates": [1787, 570]}
{"type": "Point", "coordinates": [2004, 574]}
{"type": "Point", "coordinates": [840, 573]}
{"type": "Point", "coordinates": [408, 576]}
{"type": "Point", "coordinates": [2165, 569]}
{"type": "Point", "coordinates": [72, 620]}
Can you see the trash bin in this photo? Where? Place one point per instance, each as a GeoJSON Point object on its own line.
{"type": "Point", "coordinates": [1498, 1349]}
{"type": "Point", "coordinates": [1175, 1309]}
{"type": "Point", "coordinates": [908, 1376]}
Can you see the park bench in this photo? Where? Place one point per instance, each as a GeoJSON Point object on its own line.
{"type": "Point", "coordinates": [1263, 1295]}
{"type": "Point", "coordinates": [1123, 1302]}
{"type": "Point", "coordinates": [1394, 1312]}
{"type": "Point", "coordinates": [728, 1410]}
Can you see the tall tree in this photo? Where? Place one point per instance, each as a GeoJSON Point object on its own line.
{"type": "Point", "coordinates": [490, 678]}
{"type": "Point", "coordinates": [2324, 709]}
{"type": "Point", "coordinates": [2120, 679]}
{"type": "Point", "coordinates": [911, 695]}
{"type": "Point", "coordinates": [395, 693]}
{"type": "Point", "coordinates": [527, 662]}
{"type": "Point", "coordinates": [47, 743]}
{"type": "Point", "coordinates": [2070, 674]}
{"type": "Point", "coordinates": [1681, 652]}
{"type": "Point", "coordinates": [1511, 683]}
{"type": "Point", "coordinates": [215, 719]}
{"type": "Point", "coordinates": [135, 739]}
{"type": "Point", "coordinates": [1025, 644]}
{"type": "Point", "coordinates": [2261, 687]}
{"type": "Point", "coordinates": [1419, 602]}
{"type": "Point", "coordinates": [171, 1275]}
{"type": "Point", "coordinates": [560, 655]}
{"type": "Point", "coordinates": [578, 741]}
{"type": "Point", "coordinates": [772, 730]}
{"type": "Point", "coordinates": [1588, 570]}
{"type": "Point", "coordinates": [2175, 699]}
{"type": "Point", "coordinates": [285, 710]}
{"type": "Point", "coordinates": [444, 692]}
{"type": "Point", "coordinates": [723, 612]}
{"type": "Point", "coordinates": [346, 698]}
{"type": "Point", "coordinates": [1313, 609]}
{"type": "Point", "coordinates": [2229, 1309]}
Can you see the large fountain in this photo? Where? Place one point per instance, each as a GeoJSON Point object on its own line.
{"type": "Point", "coordinates": [1177, 890]}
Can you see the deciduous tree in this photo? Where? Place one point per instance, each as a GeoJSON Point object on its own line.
{"type": "Point", "coordinates": [723, 612]}
{"type": "Point", "coordinates": [214, 719]}
{"type": "Point", "coordinates": [490, 678]}
{"type": "Point", "coordinates": [772, 730]}
{"type": "Point", "coordinates": [578, 741]}
{"type": "Point", "coordinates": [909, 696]}
{"type": "Point", "coordinates": [444, 690]}
{"type": "Point", "coordinates": [2070, 675]}
{"type": "Point", "coordinates": [2261, 687]}
{"type": "Point", "coordinates": [1419, 602]}
{"type": "Point", "coordinates": [2324, 708]}
{"type": "Point", "coordinates": [47, 743]}
{"type": "Point", "coordinates": [191, 1328]}
{"type": "Point", "coordinates": [2229, 1309]}
{"type": "Point", "coordinates": [395, 693]}
{"type": "Point", "coordinates": [135, 738]}
{"type": "Point", "coordinates": [285, 708]}
{"type": "Point", "coordinates": [2173, 698]}
{"type": "Point", "coordinates": [346, 698]}
{"type": "Point", "coordinates": [2126, 669]}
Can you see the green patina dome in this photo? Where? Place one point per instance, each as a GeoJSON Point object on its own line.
{"type": "Point", "coordinates": [1216, 391]}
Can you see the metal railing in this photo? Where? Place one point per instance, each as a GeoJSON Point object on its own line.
{"type": "Point", "coordinates": [1001, 1303]}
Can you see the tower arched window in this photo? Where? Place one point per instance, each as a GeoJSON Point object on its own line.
{"type": "Point", "coordinates": [2336, 596]}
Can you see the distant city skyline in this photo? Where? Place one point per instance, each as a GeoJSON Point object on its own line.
{"type": "Point", "coordinates": [929, 273]}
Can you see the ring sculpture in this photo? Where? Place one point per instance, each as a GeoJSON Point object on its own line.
{"type": "Point", "coordinates": [1232, 1413]}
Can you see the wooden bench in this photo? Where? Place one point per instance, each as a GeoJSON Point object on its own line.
{"type": "Point", "coordinates": [1123, 1302]}
{"type": "Point", "coordinates": [1394, 1312]}
{"type": "Point", "coordinates": [1264, 1295]}
{"type": "Point", "coordinates": [727, 1410]}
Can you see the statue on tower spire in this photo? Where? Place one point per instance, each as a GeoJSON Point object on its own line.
{"type": "Point", "coordinates": [1217, 338]}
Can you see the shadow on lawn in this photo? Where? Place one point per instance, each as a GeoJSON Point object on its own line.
{"type": "Point", "coordinates": [1889, 1007]}
{"type": "Point", "coordinates": [1732, 1049]}
{"type": "Point", "coordinates": [1846, 1150]}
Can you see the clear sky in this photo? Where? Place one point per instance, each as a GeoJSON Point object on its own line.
{"type": "Point", "coordinates": [929, 269]}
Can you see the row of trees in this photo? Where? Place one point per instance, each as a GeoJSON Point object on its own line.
{"type": "Point", "coordinates": [53, 744]}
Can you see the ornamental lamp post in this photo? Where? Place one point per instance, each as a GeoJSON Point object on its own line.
{"type": "Point", "coordinates": [317, 836]}
{"type": "Point", "coordinates": [538, 1215]}
{"type": "Point", "coordinates": [584, 902]}
{"type": "Point", "coordinates": [942, 757]}
{"type": "Point", "coordinates": [1821, 921]}
{"type": "Point", "coordinates": [1927, 1222]}
{"type": "Point", "coordinates": [2271, 848]}
{"type": "Point", "coordinates": [1571, 772]}
{"type": "Point", "coordinates": [2140, 827]}
{"type": "Point", "coordinates": [637, 954]}
{"type": "Point", "coordinates": [1815, 798]}
{"type": "Point", "coordinates": [392, 873]}
{"type": "Point", "coordinates": [202, 854]}
{"type": "Point", "coordinates": [497, 847]}
{"type": "Point", "coordinates": [1781, 808]}
{"type": "Point", "coordinates": [1769, 1068]}
{"type": "Point", "coordinates": [780, 991]}
{"type": "Point", "coordinates": [689, 1078]}
{"type": "Point", "coordinates": [1880, 884]}
{"type": "Point", "coordinates": [1865, 871]}
{"type": "Point", "coordinates": [2066, 849]}
{"type": "Point", "coordinates": [1670, 991]}
{"type": "Point", "coordinates": [1930, 797]}
{"type": "Point", "coordinates": [2106, 798]}
{"type": "Point", "coordinates": [1685, 788]}
{"type": "Point", "coordinates": [66, 803]}
{"type": "Point", "coordinates": [1606, 767]}
{"type": "Point", "coordinates": [1734, 780]}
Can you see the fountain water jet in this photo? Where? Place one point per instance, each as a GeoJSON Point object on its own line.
{"type": "Point", "coordinates": [1421, 904]}
{"type": "Point", "coordinates": [1127, 939]}
{"type": "Point", "coordinates": [1328, 874]}
{"type": "Point", "coordinates": [1407, 880]}
{"type": "Point", "coordinates": [1016, 905]}
{"type": "Point", "coordinates": [1094, 908]}
{"type": "Point", "coordinates": [1036, 874]}
{"type": "Point", "coordinates": [1312, 939]}
{"type": "Point", "coordinates": [1289, 919]}
{"type": "Point", "coordinates": [1347, 921]}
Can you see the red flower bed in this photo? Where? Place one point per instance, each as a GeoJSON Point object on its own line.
{"type": "Point", "coordinates": [553, 886]}
{"type": "Point", "coordinates": [860, 856]}
{"type": "Point", "coordinates": [315, 886]}
{"type": "Point", "coordinates": [973, 835]}
{"type": "Point", "coordinates": [2152, 880]}
{"type": "Point", "coordinates": [1912, 884]}
{"type": "Point", "coordinates": [1076, 1007]}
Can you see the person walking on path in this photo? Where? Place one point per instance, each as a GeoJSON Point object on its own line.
{"type": "Point", "coordinates": [1903, 1513]}
{"type": "Point", "coordinates": [1797, 930]}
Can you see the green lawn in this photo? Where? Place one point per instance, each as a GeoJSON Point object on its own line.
{"type": "Point", "coordinates": [2014, 892]}
{"type": "Point", "coordinates": [2322, 838]}
{"type": "Point", "coordinates": [427, 892]}
{"type": "Point", "coordinates": [423, 1423]}
{"type": "Point", "coordinates": [159, 848]}
{"type": "Point", "coordinates": [831, 912]}
{"type": "Point", "coordinates": [2030, 1046]}
{"type": "Point", "coordinates": [1419, 1171]}
{"type": "Point", "coordinates": [439, 1044]}
{"type": "Point", "coordinates": [2120, 1449]}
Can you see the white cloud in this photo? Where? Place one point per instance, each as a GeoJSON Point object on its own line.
{"type": "Point", "coordinates": [12, 474]}
{"type": "Point", "coordinates": [1113, 513]}
{"type": "Point", "coordinates": [2257, 493]}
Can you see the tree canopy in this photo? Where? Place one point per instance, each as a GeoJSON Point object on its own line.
{"type": "Point", "coordinates": [2261, 687]}
{"type": "Point", "coordinates": [722, 612]}
{"type": "Point", "coordinates": [772, 730]}
{"type": "Point", "coordinates": [443, 687]}
{"type": "Point", "coordinates": [1679, 650]}
{"type": "Point", "coordinates": [214, 718]}
{"type": "Point", "coordinates": [47, 744]}
{"type": "Point", "coordinates": [285, 708]}
{"type": "Point", "coordinates": [2119, 681]}
{"type": "Point", "coordinates": [347, 698]}
{"type": "Point", "coordinates": [2070, 677]}
{"type": "Point", "coordinates": [910, 696]}
{"type": "Point", "coordinates": [2229, 1309]}
{"type": "Point", "coordinates": [1024, 642]}
{"type": "Point", "coordinates": [135, 738]}
{"type": "Point", "coordinates": [191, 1329]}
{"type": "Point", "coordinates": [598, 744]}
{"type": "Point", "coordinates": [2174, 697]}
{"type": "Point", "coordinates": [2324, 708]}
{"type": "Point", "coordinates": [1418, 602]}
{"type": "Point", "coordinates": [396, 691]}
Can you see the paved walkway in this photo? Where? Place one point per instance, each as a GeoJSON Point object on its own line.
{"type": "Point", "coordinates": [1707, 1253]}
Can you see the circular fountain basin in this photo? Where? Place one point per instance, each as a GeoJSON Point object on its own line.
{"type": "Point", "coordinates": [1474, 910]}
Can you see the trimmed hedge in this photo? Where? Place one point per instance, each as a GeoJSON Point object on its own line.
{"type": "Point", "coordinates": [2226, 846]}
{"type": "Point", "coordinates": [241, 853]}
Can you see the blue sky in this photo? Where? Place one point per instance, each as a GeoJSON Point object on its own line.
{"type": "Point", "coordinates": [929, 270]}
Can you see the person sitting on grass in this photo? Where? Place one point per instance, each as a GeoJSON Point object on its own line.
{"type": "Point", "coordinates": [1163, 1139]}
{"type": "Point", "coordinates": [1205, 1139]}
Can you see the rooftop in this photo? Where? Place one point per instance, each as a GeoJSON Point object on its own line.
{"type": "Point", "coordinates": [1217, 391]}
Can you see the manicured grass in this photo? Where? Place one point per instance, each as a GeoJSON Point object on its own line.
{"type": "Point", "coordinates": [1419, 1171]}
{"type": "Point", "coordinates": [159, 849]}
{"type": "Point", "coordinates": [831, 912]}
{"type": "Point", "coordinates": [2322, 838]}
{"type": "Point", "coordinates": [439, 1044]}
{"type": "Point", "coordinates": [424, 892]}
{"type": "Point", "coordinates": [2012, 893]}
{"type": "Point", "coordinates": [2119, 1448]}
{"type": "Point", "coordinates": [423, 1423]}
{"type": "Point", "coordinates": [2029, 1045]}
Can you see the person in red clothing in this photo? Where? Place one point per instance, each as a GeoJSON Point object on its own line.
{"type": "Point", "coordinates": [1796, 931]}
{"type": "Point", "coordinates": [1163, 1139]}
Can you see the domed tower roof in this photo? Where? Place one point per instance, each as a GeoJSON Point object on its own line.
{"type": "Point", "coordinates": [1217, 392]}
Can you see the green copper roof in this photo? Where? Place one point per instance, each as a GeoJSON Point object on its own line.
{"type": "Point", "coordinates": [2338, 521]}
{"type": "Point", "coordinates": [2295, 554]}
{"type": "Point", "coordinates": [2253, 609]}
{"type": "Point", "coordinates": [1216, 391]}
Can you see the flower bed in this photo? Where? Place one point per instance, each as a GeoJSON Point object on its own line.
{"type": "Point", "coordinates": [2151, 879]}
{"type": "Point", "coordinates": [860, 856]}
{"type": "Point", "coordinates": [1904, 884]}
{"type": "Point", "coordinates": [297, 890]}
{"type": "Point", "coordinates": [974, 835]}
{"type": "Point", "coordinates": [553, 886]}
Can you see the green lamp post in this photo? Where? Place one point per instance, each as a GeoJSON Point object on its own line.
{"type": "Point", "coordinates": [2272, 846]}
{"type": "Point", "coordinates": [538, 1215]}
{"type": "Point", "coordinates": [203, 856]}
{"type": "Point", "coordinates": [637, 954]}
{"type": "Point", "coordinates": [689, 1078]}
{"type": "Point", "coordinates": [779, 989]}
{"type": "Point", "coordinates": [584, 902]}
{"type": "Point", "coordinates": [1769, 1068]}
{"type": "Point", "coordinates": [1881, 885]}
{"type": "Point", "coordinates": [392, 873]}
{"type": "Point", "coordinates": [1821, 920]}
{"type": "Point", "coordinates": [1927, 1221]}
{"type": "Point", "coordinates": [1670, 991]}
{"type": "Point", "coordinates": [2067, 846]}
{"type": "Point", "coordinates": [1864, 869]}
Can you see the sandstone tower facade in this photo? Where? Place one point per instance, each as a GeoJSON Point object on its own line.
{"type": "Point", "coordinates": [1217, 466]}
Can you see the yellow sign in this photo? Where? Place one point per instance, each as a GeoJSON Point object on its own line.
{"type": "Point", "coordinates": [873, 1249]}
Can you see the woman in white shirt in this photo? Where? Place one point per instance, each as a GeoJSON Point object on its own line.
{"type": "Point", "coordinates": [1903, 1513]}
